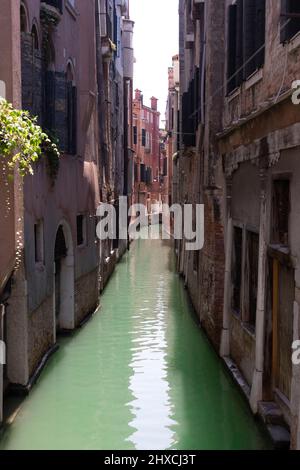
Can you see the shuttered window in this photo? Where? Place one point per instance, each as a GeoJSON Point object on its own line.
{"type": "Point", "coordinates": [232, 42]}
{"type": "Point", "coordinates": [135, 135]}
{"type": "Point", "coordinates": [246, 40]}
{"type": "Point", "coordinates": [290, 25]}
{"type": "Point", "coordinates": [71, 118]}
{"type": "Point", "coordinates": [254, 35]}
{"type": "Point", "coordinates": [143, 138]}
{"type": "Point", "coordinates": [143, 173]}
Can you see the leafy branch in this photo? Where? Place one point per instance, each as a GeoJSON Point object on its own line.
{"type": "Point", "coordinates": [22, 141]}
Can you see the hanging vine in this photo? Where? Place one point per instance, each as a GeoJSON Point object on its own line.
{"type": "Point", "coordinates": [22, 142]}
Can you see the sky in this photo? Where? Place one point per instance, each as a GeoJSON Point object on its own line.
{"type": "Point", "coordinates": [155, 42]}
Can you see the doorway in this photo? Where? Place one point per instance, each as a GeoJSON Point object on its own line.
{"type": "Point", "coordinates": [279, 351]}
{"type": "Point", "coordinates": [64, 316]}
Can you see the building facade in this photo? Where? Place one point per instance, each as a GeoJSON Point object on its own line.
{"type": "Point", "coordinates": [172, 138]}
{"type": "Point", "coordinates": [70, 63]}
{"type": "Point", "coordinates": [146, 146]}
{"type": "Point", "coordinates": [239, 156]}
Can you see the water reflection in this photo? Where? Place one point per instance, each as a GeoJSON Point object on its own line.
{"type": "Point", "coordinates": [149, 381]}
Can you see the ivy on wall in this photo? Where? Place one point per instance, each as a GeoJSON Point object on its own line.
{"type": "Point", "coordinates": [23, 142]}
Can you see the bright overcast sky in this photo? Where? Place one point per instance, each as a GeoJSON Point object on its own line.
{"type": "Point", "coordinates": [155, 42]}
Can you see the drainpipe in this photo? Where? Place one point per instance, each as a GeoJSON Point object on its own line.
{"type": "Point", "coordinates": [2, 358]}
{"type": "Point", "coordinates": [257, 382]}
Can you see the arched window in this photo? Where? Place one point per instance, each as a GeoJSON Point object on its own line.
{"type": "Point", "coordinates": [71, 111]}
{"type": "Point", "coordinates": [35, 38]}
{"type": "Point", "coordinates": [23, 19]}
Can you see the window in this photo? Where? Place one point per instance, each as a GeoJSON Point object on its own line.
{"type": "Point", "coordinates": [147, 140]}
{"type": "Point", "coordinates": [81, 230]}
{"type": "Point", "coordinates": [71, 113]}
{"type": "Point", "coordinates": [143, 173]}
{"type": "Point", "coordinates": [252, 278]}
{"type": "Point", "coordinates": [237, 268]}
{"type": "Point", "coordinates": [135, 135]}
{"type": "Point", "coordinates": [136, 173]}
{"type": "Point", "coordinates": [39, 242]}
{"type": "Point", "coordinates": [290, 25]}
{"type": "Point", "coordinates": [245, 258]}
{"type": "Point", "coordinates": [23, 19]}
{"type": "Point", "coordinates": [165, 167]}
{"type": "Point", "coordinates": [246, 40]}
{"type": "Point", "coordinates": [143, 138]}
{"type": "Point", "coordinates": [281, 212]}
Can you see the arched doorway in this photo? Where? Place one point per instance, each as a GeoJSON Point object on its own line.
{"type": "Point", "coordinates": [64, 318]}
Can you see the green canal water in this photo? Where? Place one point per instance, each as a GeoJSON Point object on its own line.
{"type": "Point", "coordinates": [139, 375]}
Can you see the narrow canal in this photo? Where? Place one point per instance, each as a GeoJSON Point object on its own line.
{"type": "Point", "coordinates": [139, 375]}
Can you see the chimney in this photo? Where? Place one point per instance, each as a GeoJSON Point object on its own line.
{"type": "Point", "coordinates": [138, 94]}
{"type": "Point", "coordinates": [154, 103]}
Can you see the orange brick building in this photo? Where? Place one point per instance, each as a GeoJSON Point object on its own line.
{"type": "Point", "coordinates": [146, 146]}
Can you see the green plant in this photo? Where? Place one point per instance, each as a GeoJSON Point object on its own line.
{"type": "Point", "coordinates": [50, 150]}
{"type": "Point", "coordinates": [22, 141]}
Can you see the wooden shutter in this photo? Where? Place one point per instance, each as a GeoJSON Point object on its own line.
{"type": "Point", "coordinates": [143, 173]}
{"type": "Point", "coordinates": [239, 56]}
{"type": "Point", "coordinates": [74, 122]}
{"type": "Point", "coordinates": [284, 27]}
{"type": "Point", "coordinates": [260, 36]}
{"type": "Point", "coordinates": [294, 24]}
{"type": "Point", "coordinates": [135, 135]}
{"type": "Point", "coordinates": [143, 137]}
{"type": "Point", "coordinates": [249, 36]}
{"type": "Point", "coordinates": [231, 64]}
{"type": "Point", "coordinates": [69, 116]}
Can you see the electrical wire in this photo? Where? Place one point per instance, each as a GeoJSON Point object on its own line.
{"type": "Point", "coordinates": [222, 87]}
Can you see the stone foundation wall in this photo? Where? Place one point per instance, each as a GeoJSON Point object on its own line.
{"type": "Point", "coordinates": [86, 295]}
{"type": "Point", "coordinates": [242, 348]}
{"type": "Point", "coordinates": [40, 333]}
